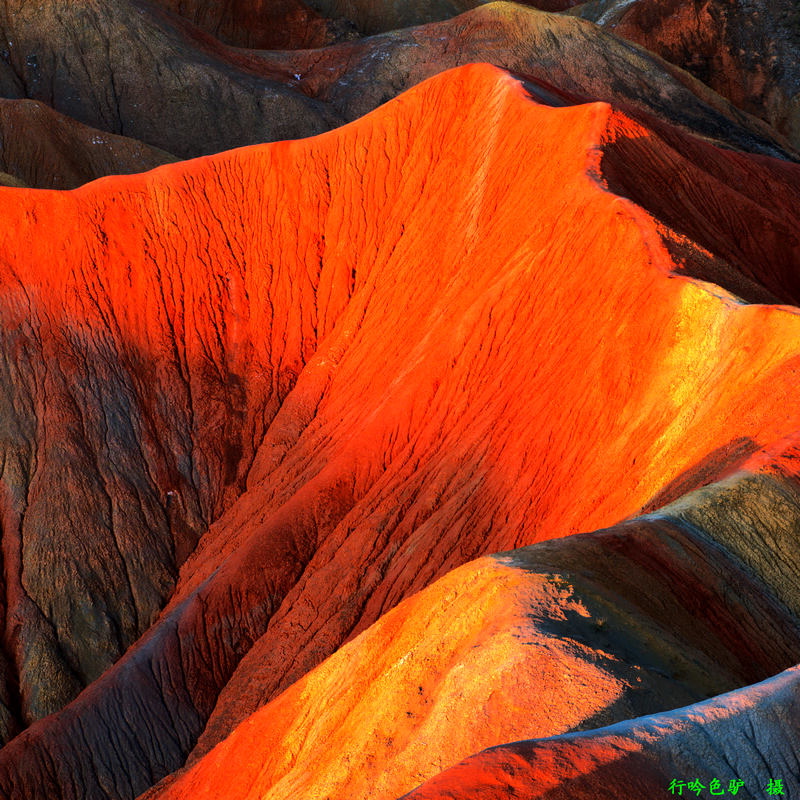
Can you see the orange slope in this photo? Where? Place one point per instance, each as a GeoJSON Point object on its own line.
{"type": "Point", "coordinates": [570, 634]}
{"type": "Point", "coordinates": [370, 356]}
{"type": "Point", "coordinates": [616, 381]}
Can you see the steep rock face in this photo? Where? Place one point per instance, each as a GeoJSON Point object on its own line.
{"type": "Point", "coordinates": [118, 66]}
{"type": "Point", "coordinates": [750, 735]}
{"type": "Point", "coordinates": [744, 49]}
{"type": "Point", "coordinates": [46, 150]}
{"type": "Point", "coordinates": [755, 251]}
{"type": "Point", "coordinates": [565, 635]}
{"type": "Point", "coordinates": [220, 346]}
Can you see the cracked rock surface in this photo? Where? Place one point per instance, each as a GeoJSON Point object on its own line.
{"type": "Point", "coordinates": [446, 398]}
{"type": "Point", "coordinates": [273, 427]}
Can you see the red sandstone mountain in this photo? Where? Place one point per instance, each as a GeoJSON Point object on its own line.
{"type": "Point", "coordinates": [320, 402]}
{"type": "Point", "coordinates": [328, 464]}
{"type": "Point", "coordinates": [565, 59]}
{"type": "Point", "coordinates": [571, 634]}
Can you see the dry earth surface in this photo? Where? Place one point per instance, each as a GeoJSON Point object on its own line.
{"type": "Point", "coordinates": [331, 466]}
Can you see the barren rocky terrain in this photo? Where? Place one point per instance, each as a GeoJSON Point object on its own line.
{"type": "Point", "coordinates": [398, 399]}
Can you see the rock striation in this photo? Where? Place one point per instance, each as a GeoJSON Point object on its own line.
{"type": "Point", "coordinates": [255, 401]}
{"type": "Point", "coordinates": [564, 636]}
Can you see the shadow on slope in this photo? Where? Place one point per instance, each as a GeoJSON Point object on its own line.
{"type": "Point", "coordinates": [744, 210]}
{"type": "Point", "coordinates": [564, 635]}
{"type": "Point", "coordinates": [744, 49]}
{"type": "Point", "coordinates": [445, 354]}
{"type": "Point", "coordinates": [749, 735]}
